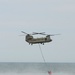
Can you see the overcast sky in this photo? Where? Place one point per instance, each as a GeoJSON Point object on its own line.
{"type": "Point", "coordinates": [50, 16]}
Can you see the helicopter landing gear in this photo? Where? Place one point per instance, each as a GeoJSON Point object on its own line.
{"type": "Point", "coordinates": [30, 43]}
{"type": "Point", "coordinates": [43, 43]}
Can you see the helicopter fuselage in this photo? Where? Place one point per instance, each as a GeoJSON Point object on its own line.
{"type": "Point", "coordinates": [41, 40]}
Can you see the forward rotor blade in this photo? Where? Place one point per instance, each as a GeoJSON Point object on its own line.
{"type": "Point", "coordinates": [23, 32]}
{"type": "Point", "coordinates": [42, 33]}
{"type": "Point", "coordinates": [38, 33]}
{"type": "Point", "coordinates": [34, 33]}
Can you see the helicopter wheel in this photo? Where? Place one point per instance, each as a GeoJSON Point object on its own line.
{"type": "Point", "coordinates": [42, 43]}
{"type": "Point", "coordinates": [30, 43]}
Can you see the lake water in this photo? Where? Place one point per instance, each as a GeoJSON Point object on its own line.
{"type": "Point", "coordinates": [37, 68]}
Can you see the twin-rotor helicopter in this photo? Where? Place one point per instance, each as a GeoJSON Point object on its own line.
{"type": "Point", "coordinates": [31, 40]}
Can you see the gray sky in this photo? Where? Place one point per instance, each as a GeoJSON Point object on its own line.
{"type": "Point", "coordinates": [50, 16]}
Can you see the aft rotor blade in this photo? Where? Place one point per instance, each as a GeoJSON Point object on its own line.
{"type": "Point", "coordinates": [54, 34]}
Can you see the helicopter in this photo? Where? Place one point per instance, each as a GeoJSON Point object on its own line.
{"type": "Point", "coordinates": [31, 40]}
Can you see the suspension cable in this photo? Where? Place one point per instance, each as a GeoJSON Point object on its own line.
{"type": "Point", "coordinates": [49, 72]}
{"type": "Point", "coordinates": [42, 54]}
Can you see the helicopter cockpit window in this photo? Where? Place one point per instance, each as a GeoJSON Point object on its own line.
{"type": "Point", "coordinates": [30, 39]}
